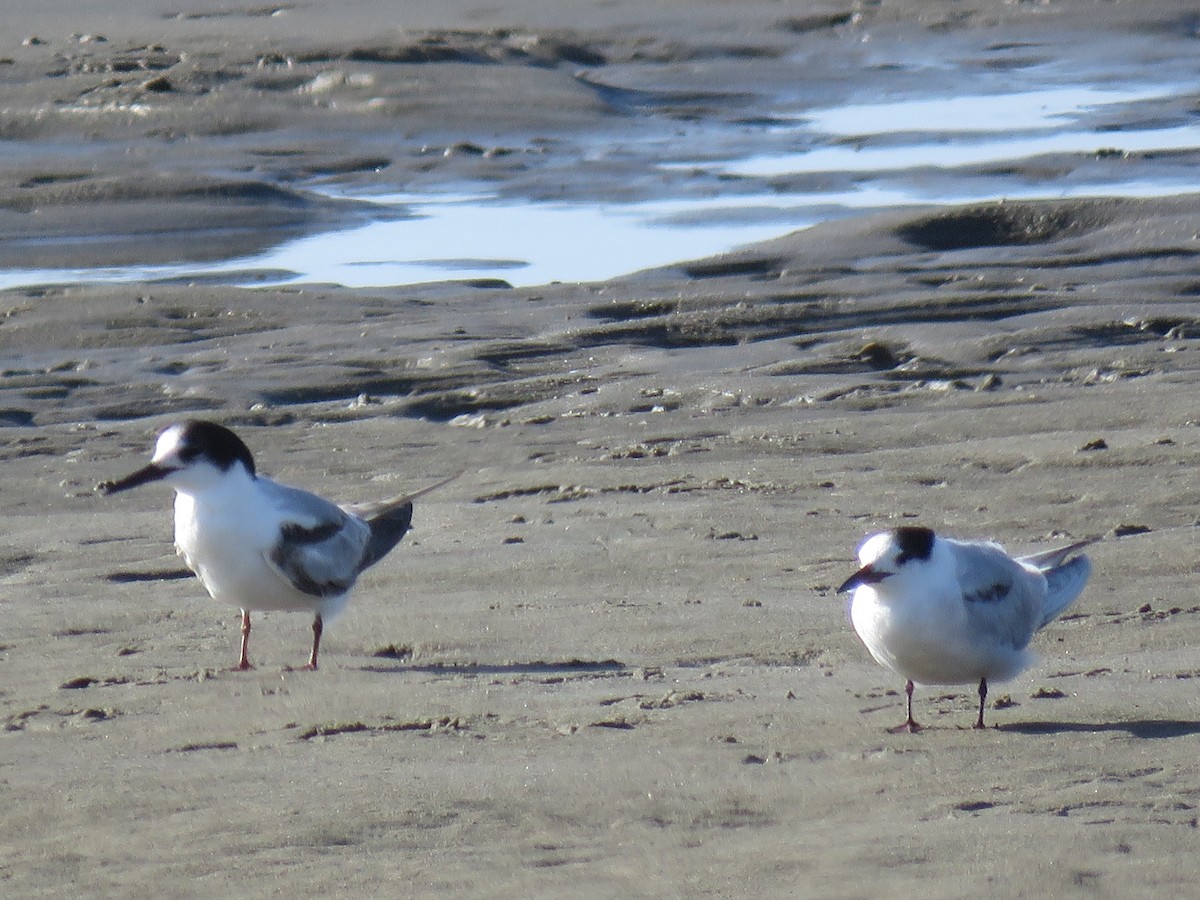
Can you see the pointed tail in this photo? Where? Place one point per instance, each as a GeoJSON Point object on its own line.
{"type": "Point", "coordinates": [387, 528]}
{"type": "Point", "coordinates": [389, 521]}
{"type": "Point", "coordinates": [1051, 559]}
{"type": "Point", "coordinates": [1063, 584]}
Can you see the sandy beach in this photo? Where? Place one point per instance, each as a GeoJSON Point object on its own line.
{"type": "Point", "coordinates": [609, 660]}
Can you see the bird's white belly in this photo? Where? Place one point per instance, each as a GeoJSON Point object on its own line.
{"type": "Point", "coordinates": [930, 643]}
{"type": "Point", "coordinates": [229, 554]}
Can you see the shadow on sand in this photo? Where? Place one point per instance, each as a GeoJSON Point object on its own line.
{"type": "Point", "coordinates": [156, 575]}
{"type": "Point", "coordinates": [534, 667]}
{"type": "Point", "coordinates": [1138, 728]}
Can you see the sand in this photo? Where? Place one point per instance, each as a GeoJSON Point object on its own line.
{"type": "Point", "coordinates": [608, 661]}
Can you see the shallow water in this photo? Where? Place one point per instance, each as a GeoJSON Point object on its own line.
{"type": "Point", "coordinates": [922, 150]}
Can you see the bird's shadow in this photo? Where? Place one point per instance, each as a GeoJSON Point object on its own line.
{"type": "Point", "coordinates": [1147, 729]}
{"type": "Point", "coordinates": [533, 667]}
{"type": "Point", "coordinates": [126, 577]}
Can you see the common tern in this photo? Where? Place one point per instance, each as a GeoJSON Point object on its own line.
{"type": "Point", "coordinates": [943, 611]}
{"type": "Point", "coordinates": [258, 544]}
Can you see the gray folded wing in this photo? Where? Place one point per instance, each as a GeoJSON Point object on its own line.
{"type": "Point", "coordinates": [320, 547]}
{"type": "Point", "coordinates": [1001, 597]}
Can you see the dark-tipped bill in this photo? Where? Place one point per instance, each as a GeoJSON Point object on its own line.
{"type": "Point", "coordinates": [152, 472]}
{"type": "Point", "coordinates": [865, 575]}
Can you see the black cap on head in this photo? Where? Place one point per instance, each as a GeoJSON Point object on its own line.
{"type": "Point", "coordinates": [216, 443]}
{"type": "Point", "coordinates": [914, 542]}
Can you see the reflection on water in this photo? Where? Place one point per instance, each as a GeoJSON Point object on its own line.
{"type": "Point", "coordinates": [877, 155]}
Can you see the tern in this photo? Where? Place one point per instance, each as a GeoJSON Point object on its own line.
{"type": "Point", "coordinates": [942, 611]}
{"type": "Point", "coordinates": [258, 544]}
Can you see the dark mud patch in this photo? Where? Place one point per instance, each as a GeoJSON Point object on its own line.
{"type": "Point", "coordinates": [20, 418]}
{"type": "Point", "coordinates": [782, 316]}
{"type": "Point", "coordinates": [441, 724]}
{"type": "Point", "coordinates": [447, 405]}
{"type": "Point", "coordinates": [819, 21]}
{"type": "Point", "coordinates": [12, 563]}
{"type": "Point", "coordinates": [205, 745]}
{"type": "Point", "coordinates": [55, 222]}
{"type": "Point", "coordinates": [507, 353]}
{"type": "Point", "coordinates": [1003, 224]}
{"type": "Point", "coordinates": [633, 310]}
{"type": "Point", "coordinates": [493, 47]}
{"type": "Point", "coordinates": [129, 410]}
{"type": "Point", "coordinates": [733, 268]}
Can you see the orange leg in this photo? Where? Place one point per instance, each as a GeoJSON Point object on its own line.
{"type": "Point", "coordinates": [318, 627]}
{"type": "Point", "coordinates": [244, 663]}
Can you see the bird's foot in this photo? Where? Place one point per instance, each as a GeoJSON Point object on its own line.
{"type": "Point", "coordinates": [909, 727]}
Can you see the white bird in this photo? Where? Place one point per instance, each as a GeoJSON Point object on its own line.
{"type": "Point", "coordinates": [942, 611]}
{"type": "Point", "coordinates": [258, 544]}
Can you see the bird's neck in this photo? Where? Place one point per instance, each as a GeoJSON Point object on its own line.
{"type": "Point", "coordinates": [211, 487]}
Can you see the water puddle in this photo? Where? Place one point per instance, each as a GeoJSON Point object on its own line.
{"type": "Point", "coordinates": [974, 130]}
{"type": "Point", "coordinates": [954, 154]}
{"type": "Point", "coordinates": [1033, 110]}
{"type": "Point", "coordinates": [454, 237]}
{"type": "Point", "coordinates": [941, 150]}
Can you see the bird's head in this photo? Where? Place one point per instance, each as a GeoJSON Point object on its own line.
{"type": "Point", "coordinates": [890, 557]}
{"type": "Point", "coordinates": [188, 456]}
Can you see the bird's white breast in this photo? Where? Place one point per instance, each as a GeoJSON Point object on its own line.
{"type": "Point", "coordinates": [225, 533]}
{"type": "Point", "coordinates": [927, 637]}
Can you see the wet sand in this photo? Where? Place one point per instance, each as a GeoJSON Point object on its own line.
{"type": "Point", "coordinates": [608, 661]}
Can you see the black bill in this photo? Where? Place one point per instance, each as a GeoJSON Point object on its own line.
{"type": "Point", "coordinates": [152, 472]}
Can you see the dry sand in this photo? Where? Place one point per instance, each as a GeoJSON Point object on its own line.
{"type": "Point", "coordinates": [608, 662]}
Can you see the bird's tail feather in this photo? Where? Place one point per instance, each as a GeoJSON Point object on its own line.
{"type": "Point", "coordinates": [387, 528]}
{"type": "Point", "coordinates": [1063, 584]}
{"type": "Point", "coordinates": [389, 521]}
{"type": "Point", "coordinates": [1052, 559]}
{"type": "Point", "coordinates": [374, 508]}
